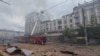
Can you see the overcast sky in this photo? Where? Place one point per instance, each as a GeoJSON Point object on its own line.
{"type": "Point", "coordinates": [12, 17]}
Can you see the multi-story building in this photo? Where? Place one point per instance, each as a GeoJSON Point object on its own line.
{"type": "Point", "coordinates": [45, 26]}
{"type": "Point", "coordinates": [68, 21]}
{"type": "Point", "coordinates": [74, 20]}
{"type": "Point", "coordinates": [48, 26]}
{"type": "Point", "coordinates": [91, 13]}
{"type": "Point", "coordinates": [9, 34]}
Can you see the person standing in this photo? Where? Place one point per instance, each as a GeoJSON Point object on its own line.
{"type": "Point", "coordinates": [44, 40]}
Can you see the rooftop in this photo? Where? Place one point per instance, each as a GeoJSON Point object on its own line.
{"type": "Point", "coordinates": [85, 4]}
{"type": "Point", "coordinates": [46, 21]}
{"type": "Point", "coordinates": [10, 30]}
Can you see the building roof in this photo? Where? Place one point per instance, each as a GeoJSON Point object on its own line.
{"type": "Point", "coordinates": [46, 21]}
{"type": "Point", "coordinates": [68, 15]}
{"type": "Point", "coordinates": [85, 4]}
{"type": "Point", "coordinates": [10, 30]}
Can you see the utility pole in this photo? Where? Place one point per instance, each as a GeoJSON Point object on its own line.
{"type": "Point", "coordinates": [85, 30]}
{"type": "Point", "coordinates": [95, 18]}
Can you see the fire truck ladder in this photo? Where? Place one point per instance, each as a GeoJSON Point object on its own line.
{"type": "Point", "coordinates": [34, 27]}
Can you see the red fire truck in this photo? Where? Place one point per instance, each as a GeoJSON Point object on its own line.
{"type": "Point", "coordinates": [31, 39]}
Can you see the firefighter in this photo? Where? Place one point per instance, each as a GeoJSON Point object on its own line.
{"type": "Point", "coordinates": [44, 40]}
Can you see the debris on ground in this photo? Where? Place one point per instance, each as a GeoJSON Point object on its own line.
{"type": "Point", "coordinates": [26, 52]}
{"type": "Point", "coordinates": [68, 52]}
{"type": "Point", "coordinates": [55, 50]}
{"type": "Point", "coordinates": [16, 50]}
{"type": "Point", "coordinates": [11, 50]}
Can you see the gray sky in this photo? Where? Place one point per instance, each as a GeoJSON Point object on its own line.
{"type": "Point", "coordinates": [12, 17]}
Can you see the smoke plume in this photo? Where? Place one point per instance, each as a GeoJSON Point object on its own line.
{"type": "Point", "coordinates": [41, 6]}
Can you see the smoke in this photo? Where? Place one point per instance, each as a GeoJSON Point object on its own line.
{"type": "Point", "coordinates": [40, 5]}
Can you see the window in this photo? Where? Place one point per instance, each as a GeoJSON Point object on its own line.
{"type": "Point", "coordinates": [41, 30]}
{"type": "Point", "coordinates": [59, 22]}
{"type": "Point", "coordinates": [77, 13]}
{"type": "Point", "coordinates": [63, 16]}
{"type": "Point", "coordinates": [99, 17]}
{"type": "Point", "coordinates": [92, 11]}
{"type": "Point", "coordinates": [70, 20]}
{"type": "Point", "coordinates": [54, 24]}
{"type": "Point", "coordinates": [50, 25]}
{"type": "Point", "coordinates": [46, 24]}
{"type": "Point", "coordinates": [98, 9]}
{"type": "Point", "coordinates": [41, 26]}
{"type": "Point", "coordinates": [65, 26]}
{"type": "Point", "coordinates": [65, 21]}
{"type": "Point", "coordinates": [93, 20]}
{"type": "Point", "coordinates": [71, 25]}
{"type": "Point", "coordinates": [76, 17]}
{"type": "Point", "coordinates": [77, 24]}
{"type": "Point", "coordinates": [47, 29]}
{"type": "Point", "coordinates": [59, 27]}
{"type": "Point", "coordinates": [44, 30]}
{"type": "Point", "coordinates": [55, 28]}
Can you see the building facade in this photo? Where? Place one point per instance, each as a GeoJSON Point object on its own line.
{"type": "Point", "coordinates": [9, 34]}
{"type": "Point", "coordinates": [91, 12]}
{"type": "Point", "coordinates": [50, 26]}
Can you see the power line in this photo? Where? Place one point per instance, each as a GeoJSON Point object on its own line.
{"type": "Point", "coordinates": [73, 2]}
{"type": "Point", "coordinates": [55, 5]}
{"type": "Point", "coordinates": [5, 2]}
{"type": "Point", "coordinates": [43, 11]}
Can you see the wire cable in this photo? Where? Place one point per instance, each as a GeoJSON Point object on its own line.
{"type": "Point", "coordinates": [73, 2]}
{"type": "Point", "coordinates": [55, 5]}
{"type": "Point", "coordinates": [5, 2]}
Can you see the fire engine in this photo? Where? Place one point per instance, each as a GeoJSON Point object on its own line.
{"type": "Point", "coordinates": [36, 39]}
